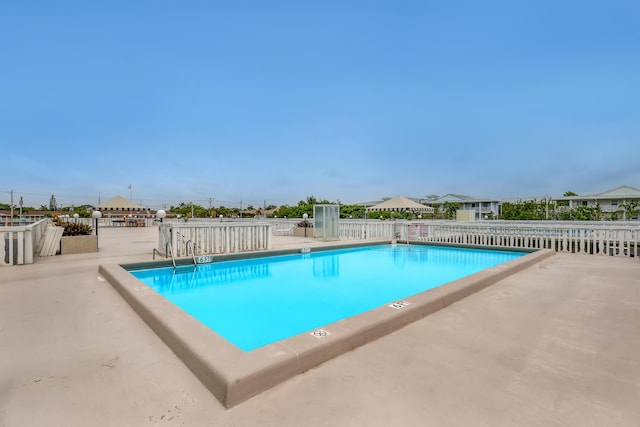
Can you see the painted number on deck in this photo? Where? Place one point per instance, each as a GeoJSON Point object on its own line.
{"type": "Point", "coordinates": [400, 304]}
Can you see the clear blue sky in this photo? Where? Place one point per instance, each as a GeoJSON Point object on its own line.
{"type": "Point", "coordinates": [275, 101]}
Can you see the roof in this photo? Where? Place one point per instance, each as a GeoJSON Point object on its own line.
{"type": "Point", "coordinates": [121, 203]}
{"type": "Point", "coordinates": [449, 198]}
{"type": "Point", "coordinates": [624, 191]}
{"type": "Point", "coordinates": [400, 204]}
{"type": "Point", "coordinates": [457, 198]}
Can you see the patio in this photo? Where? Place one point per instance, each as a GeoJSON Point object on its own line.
{"type": "Point", "coordinates": [555, 344]}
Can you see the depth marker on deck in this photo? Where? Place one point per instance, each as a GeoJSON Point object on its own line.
{"type": "Point", "coordinates": [320, 333]}
{"type": "Point", "coordinates": [399, 304]}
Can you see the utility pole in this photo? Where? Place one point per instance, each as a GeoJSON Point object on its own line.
{"type": "Point", "coordinates": [546, 199]}
{"type": "Point", "coordinates": [11, 208]}
{"type": "Point", "coordinates": [210, 202]}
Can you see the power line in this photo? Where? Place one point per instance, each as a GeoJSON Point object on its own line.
{"type": "Point", "coordinates": [76, 199]}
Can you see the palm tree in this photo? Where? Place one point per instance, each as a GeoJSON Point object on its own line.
{"type": "Point", "coordinates": [450, 209]}
{"type": "Point", "coordinates": [629, 209]}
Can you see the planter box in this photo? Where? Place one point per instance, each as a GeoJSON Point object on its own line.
{"type": "Point", "coordinates": [78, 244]}
{"type": "Point", "coordinates": [299, 231]}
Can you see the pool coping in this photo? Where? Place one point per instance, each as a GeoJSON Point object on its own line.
{"type": "Point", "coordinates": [234, 376]}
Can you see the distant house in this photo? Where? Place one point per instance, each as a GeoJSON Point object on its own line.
{"type": "Point", "coordinates": [612, 202]}
{"type": "Point", "coordinates": [27, 217]}
{"type": "Point", "coordinates": [484, 208]}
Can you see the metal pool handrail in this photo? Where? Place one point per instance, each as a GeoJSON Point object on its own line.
{"type": "Point", "coordinates": [169, 250]}
{"type": "Point", "coordinates": [189, 244]}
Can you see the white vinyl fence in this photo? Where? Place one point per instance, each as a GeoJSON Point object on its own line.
{"type": "Point", "coordinates": [612, 239]}
{"type": "Point", "coordinates": [594, 238]}
{"type": "Point", "coordinates": [213, 238]}
{"type": "Point", "coordinates": [19, 244]}
{"type": "Point", "coordinates": [354, 229]}
{"type": "Point", "coordinates": [107, 221]}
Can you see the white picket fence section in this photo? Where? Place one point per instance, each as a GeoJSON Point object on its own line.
{"type": "Point", "coordinates": [214, 238]}
{"type": "Point", "coordinates": [19, 244]}
{"type": "Point", "coordinates": [354, 229]}
{"type": "Point", "coordinates": [580, 238]}
{"type": "Point", "coordinates": [614, 239]}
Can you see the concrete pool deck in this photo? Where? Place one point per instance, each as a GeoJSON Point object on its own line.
{"type": "Point", "coordinates": [555, 344]}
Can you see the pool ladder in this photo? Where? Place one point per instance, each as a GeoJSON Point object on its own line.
{"type": "Point", "coordinates": [169, 251]}
{"type": "Point", "coordinates": [189, 244]}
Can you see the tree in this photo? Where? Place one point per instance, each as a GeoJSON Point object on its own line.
{"type": "Point", "coordinates": [449, 209]}
{"type": "Point", "coordinates": [583, 213]}
{"type": "Point", "coordinates": [224, 211]}
{"type": "Point", "coordinates": [355, 211]}
{"type": "Point", "coordinates": [84, 211]}
{"type": "Point", "coordinates": [569, 194]}
{"type": "Point", "coordinates": [528, 210]}
{"type": "Point", "coordinates": [310, 201]}
{"type": "Point", "coordinates": [437, 211]}
{"type": "Point", "coordinates": [303, 207]}
{"type": "Point", "coordinates": [629, 209]}
{"type": "Point", "coordinates": [379, 215]}
{"type": "Point", "coordinates": [189, 210]}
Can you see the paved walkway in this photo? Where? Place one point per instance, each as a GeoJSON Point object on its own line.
{"type": "Point", "coordinates": [555, 345]}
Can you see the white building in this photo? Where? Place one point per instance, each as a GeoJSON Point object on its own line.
{"type": "Point", "coordinates": [484, 208]}
{"type": "Point", "coordinates": [613, 202]}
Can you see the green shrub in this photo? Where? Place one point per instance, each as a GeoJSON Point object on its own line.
{"type": "Point", "coordinates": [74, 229]}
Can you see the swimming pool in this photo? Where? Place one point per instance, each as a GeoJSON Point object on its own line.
{"type": "Point", "coordinates": [234, 375]}
{"type": "Point", "coordinates": [255, 302]}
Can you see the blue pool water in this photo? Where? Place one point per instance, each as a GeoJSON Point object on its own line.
{"type": "Point", "coordinates": [255, 302]}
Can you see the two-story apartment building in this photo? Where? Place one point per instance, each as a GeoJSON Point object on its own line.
{"type": "Point", "coordinates": [484, 208]}
{"type": "Point", "coordinates": [614, 202]}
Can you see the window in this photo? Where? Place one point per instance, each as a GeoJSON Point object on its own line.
{"type": "Point", "coordinates": [614, 203]}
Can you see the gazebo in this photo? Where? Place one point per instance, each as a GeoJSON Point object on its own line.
{"type": "Point", "coordinates": [400, 204]}
{"type": "Point", "coordinates": [120, 204]}
{"type": "Point", "coordinates": [120, 212]}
